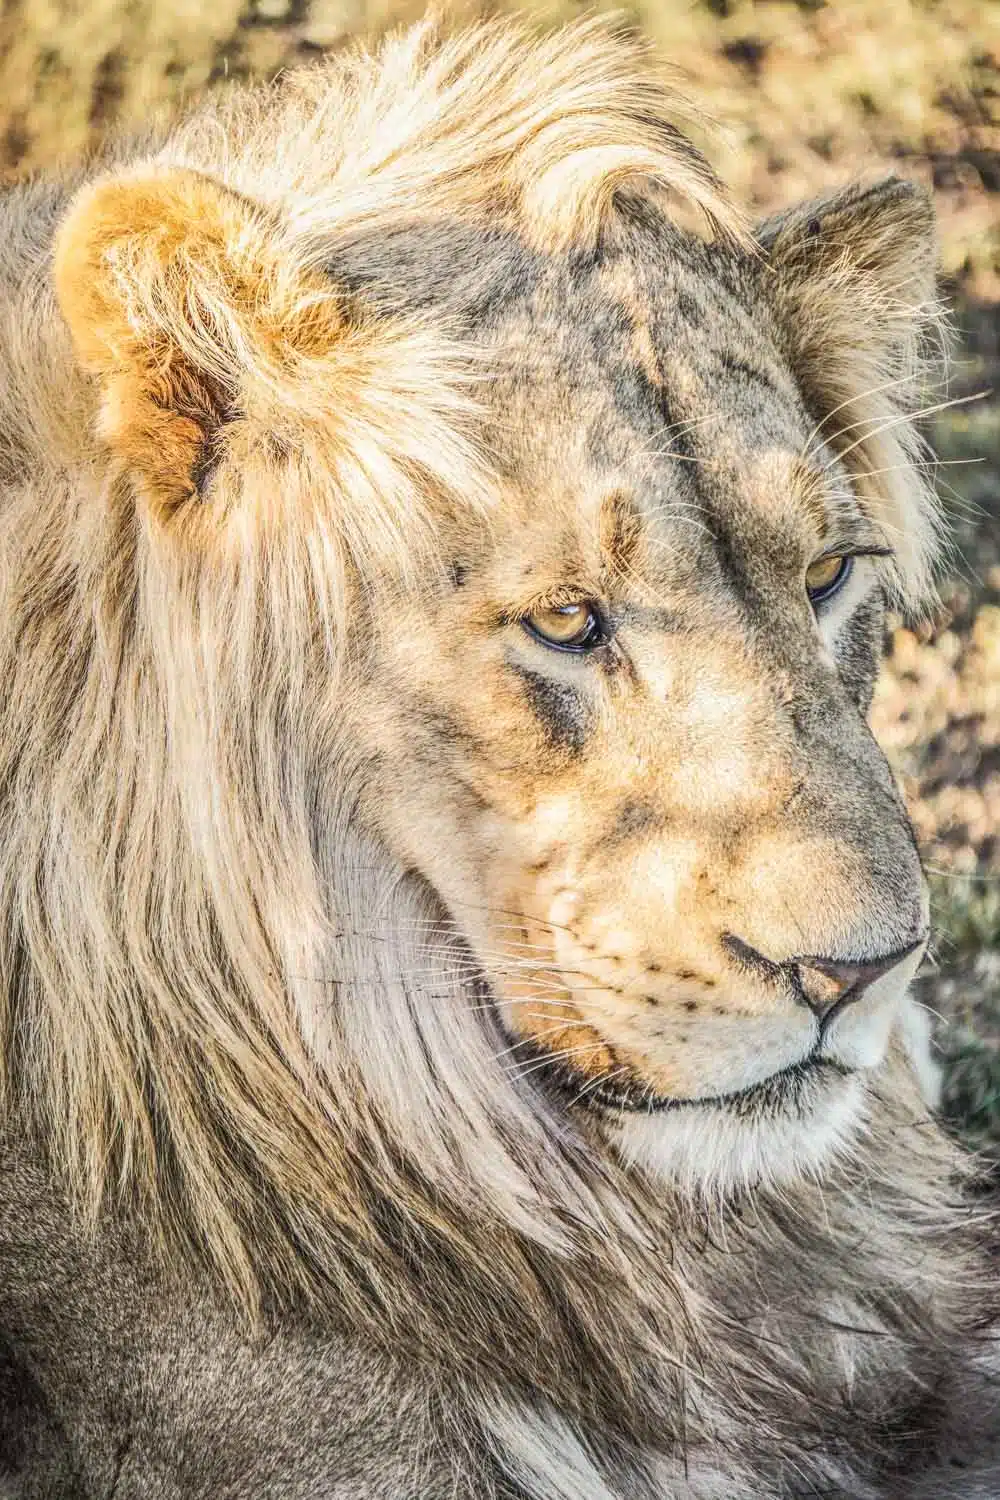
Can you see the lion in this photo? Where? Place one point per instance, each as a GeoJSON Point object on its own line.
{"type": "Point", "coordinates": [457, 924]}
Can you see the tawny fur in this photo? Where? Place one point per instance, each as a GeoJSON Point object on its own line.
{"type": "Point", "coordinates": [235, 1011]}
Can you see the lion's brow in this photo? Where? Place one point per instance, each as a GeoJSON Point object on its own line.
{"type": "Point", "coordinates": [619, 531]}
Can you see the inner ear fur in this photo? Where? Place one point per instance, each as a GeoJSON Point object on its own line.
{"type": "Point", "coordinates": [852, 279]}
{"type": "Point", "coordinates": [859, 267]}
{"type": "Point", "coordinates": [179, 300]}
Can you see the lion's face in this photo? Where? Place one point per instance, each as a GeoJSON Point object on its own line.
{"type": "Point", "coordinates": [626, 741]}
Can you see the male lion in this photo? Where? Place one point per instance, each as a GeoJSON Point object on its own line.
{"type": "Point", "coordinates": [456, 922]}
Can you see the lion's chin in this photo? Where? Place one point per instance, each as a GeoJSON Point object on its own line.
{"type": "Point", "coordinates": [793, 1126]}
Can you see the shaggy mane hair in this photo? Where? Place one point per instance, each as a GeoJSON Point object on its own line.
{"type": "Point", "coordinates": [163, 885]}
{"type": "Point", "coordinates": [221, 1002]}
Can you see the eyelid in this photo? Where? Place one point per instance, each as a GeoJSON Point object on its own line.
{"type": "Point", "coordinates": [558, 598]}
{"type": "Point", "coordinates": [862, 550]}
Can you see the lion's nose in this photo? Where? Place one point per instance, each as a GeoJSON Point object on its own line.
{"type": "Point", "coordinates": [831, 984]}
{"type": "Point", "coordinates": [826, 985]}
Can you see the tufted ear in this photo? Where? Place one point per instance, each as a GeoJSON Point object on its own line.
{"type": "Point", "coordinates": [214, 342]}
{"type": "Point", "coordinates": [857, 269]}
{"type": "Point", "coordinates": [187, 306]}
{"type": "Point", "coordinates": [852, 282]}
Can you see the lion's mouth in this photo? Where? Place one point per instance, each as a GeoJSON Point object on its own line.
{"type": "Point", "coordinates": [787, 1090]}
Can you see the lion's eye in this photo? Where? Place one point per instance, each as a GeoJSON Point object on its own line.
{"type": "Point", "coordinates": [568, 627]}
{"type": "Point", "coordinates": [826, 575]}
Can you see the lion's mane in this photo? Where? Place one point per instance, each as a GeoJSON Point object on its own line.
{"type": "Point", "coordinates": [222, 1004]}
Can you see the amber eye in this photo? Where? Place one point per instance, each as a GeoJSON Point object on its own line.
{"type": "Point", "coordinates": [568, 627]}
{"type": "Point", "coordinates": [826, 575]}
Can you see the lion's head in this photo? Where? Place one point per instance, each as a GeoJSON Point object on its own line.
{"type": "Point", "coordinates": [623, 739]}
{"type": "Point", "coordinates": [444, 595]}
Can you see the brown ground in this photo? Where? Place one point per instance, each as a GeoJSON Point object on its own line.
{"type": "Point", "coordinates": [808, 93]}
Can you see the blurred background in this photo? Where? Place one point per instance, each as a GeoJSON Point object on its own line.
{"type": "Point", "coordinates": [808, 93]}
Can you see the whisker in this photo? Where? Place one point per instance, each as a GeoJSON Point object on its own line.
{"type": "Point", "coordinates": [507, 912]}
{"type": "Point", "coordinates": [930, 466]}
{"type": "Point", "coordinates": [897, 382]}
{"type": "Point", "coordinates": [530, 1041]}
{"type": "Point", "coordinates": [601, 1078]}
{"type": "Point", "coordinates": [906, 418]}
{"type": "Point", "coordinates": [555, 1057]}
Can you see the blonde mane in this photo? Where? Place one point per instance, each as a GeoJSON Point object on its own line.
{"type": "Point", "coordinates": [174, 908]}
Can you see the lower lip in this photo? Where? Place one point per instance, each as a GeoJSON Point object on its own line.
{"type": "Point", "coordinates": [777, 1088]}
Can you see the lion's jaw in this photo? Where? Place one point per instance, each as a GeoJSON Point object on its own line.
{"type": "Point", "coordinates": [794, 1124]}
{"type": "Point", "coordinates": [711, 1080]}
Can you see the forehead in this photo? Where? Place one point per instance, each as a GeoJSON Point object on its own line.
{"type": "Point", "coordinates": [649, 369]}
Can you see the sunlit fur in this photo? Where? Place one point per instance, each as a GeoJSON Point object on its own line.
{"type": "Point", "coordinates": [250, 990]}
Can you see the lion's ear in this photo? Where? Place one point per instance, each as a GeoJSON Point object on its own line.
{"type": "Point", "coordinates": [852, 281]}
{"type": "Point", "coordinates": [853, 272]}
{"type": "Point", "coordinates": [177, 296]}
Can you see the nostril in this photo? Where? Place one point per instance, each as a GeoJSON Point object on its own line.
{"type": "Point", "coordinates": [826, 985]}
{"type": "Point", "coordinates": [750, 958]}
{"type": "Point", "coordinates": [829, 984]}
{"type": "Point", "coordinates": [823, 985]}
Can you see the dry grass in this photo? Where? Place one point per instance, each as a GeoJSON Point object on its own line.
{"type": "Point", "coordinates": [801, 89]}
{"type": "Point", "coordinates": [807, 94]}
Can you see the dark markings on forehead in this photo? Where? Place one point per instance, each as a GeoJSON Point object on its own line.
{"type": "Point", "coordinates": [677, 441]}
{"type": "Point", "coordinates": [636, 817]}
{"type": "Point", "coordinates": [733, 365]}
{"type": "Point", "coordinates": [468, 270]}
{"type": "Point", "coordinates": [688, 308]}
{"type": "Point", "coordinates": [640, 411]}
{"type": "Point", "coordinates": [565, 717]}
